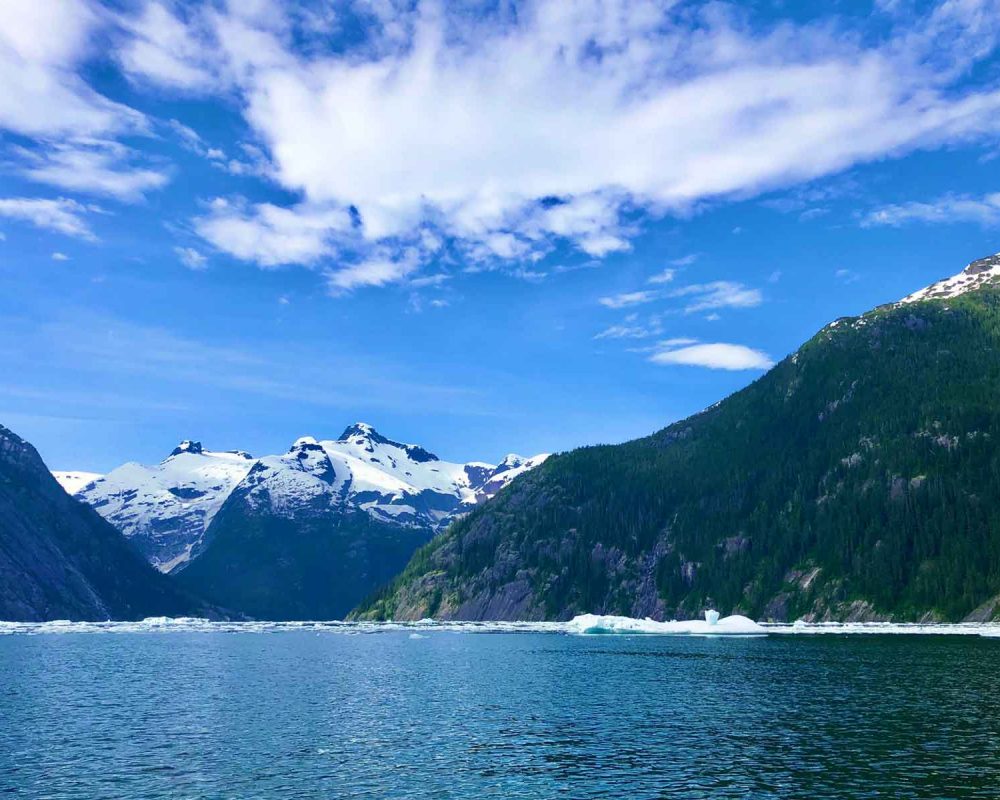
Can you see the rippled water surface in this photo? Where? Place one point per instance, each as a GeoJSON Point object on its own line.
{"type": "Point", "coordinates": [318, 713]}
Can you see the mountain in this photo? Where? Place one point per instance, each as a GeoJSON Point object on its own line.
{"type": "Point", "coordinates": [73, 481]}
{"type": "Point", "coordinates": [857, 479]}
{"type": "Point", "coordinates": [165, 509]}
{"type": "Point", "coordinates": [308, 534]}
{"type": "Point", "coordinates": [61, 560]}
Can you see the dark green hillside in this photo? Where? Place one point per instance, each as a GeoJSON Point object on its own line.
{"type": "Point", "coordinates": [308, 567]}
{"type": "Point", "coordinates": [60, 560]}
{"type": "Point", "coordinates": [859, 478]}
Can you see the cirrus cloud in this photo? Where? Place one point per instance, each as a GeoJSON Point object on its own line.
{"type": "Point", "coordinates": [984, 210]}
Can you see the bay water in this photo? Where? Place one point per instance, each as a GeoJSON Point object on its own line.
{"type": "Point", "coordinates": [435, 713]}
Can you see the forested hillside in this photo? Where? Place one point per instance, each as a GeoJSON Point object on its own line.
{"type": "Point", "coordinates": [858, 479]}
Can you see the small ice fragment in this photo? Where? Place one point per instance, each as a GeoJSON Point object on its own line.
{"type": "Point", "coordinates": [417, 636]}
{"type": "Point", "coordinates": [711, 616]}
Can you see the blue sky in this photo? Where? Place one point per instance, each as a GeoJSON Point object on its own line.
{"type": "Point", "coordinates": [480, 227]}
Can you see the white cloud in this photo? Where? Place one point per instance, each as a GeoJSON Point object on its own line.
{"type": "Point", "coordinates": [718, 294]}
{"type": "Point", "coordinates": [163, 49]}
{"type": "Point", "coordinates": [666, 276]}
{"type": "Point", "coordinates": [61, 215]}
{"type": "Point", "coordinates": [560, 121]}
{"type": "Point", "coordinates": [272, 236]}
{"type": "Point", "coordinates": [685, 261]}
{"type": "Point", "coordinates": [44, 46]}
{"type": "Point", "coordinates": [94, 166]}
{"type": "Point", "coordinates": [715, 355]}
{"type": "Point", "coordinates": [626, 299]}
{"type": "Point", "coordinates": [628, 332]}
{"type": "Point", "coordinates": [42, 43]}
{"type": "Point", "coordinates": [379, 270]}
{"type": "Point", "coordinates": [984, 210]}
{"type": "Point", "coordinates": [191, 258]}
{"type": "Point", "coordinates": [57, 256]}
{"type": "Point", "coordinates": [436, 279]}
{"type": "Point", "coordinates": [191, 140]}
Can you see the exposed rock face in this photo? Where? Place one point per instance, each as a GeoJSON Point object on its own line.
{"type": "Point", "coordinates": [60, 560]}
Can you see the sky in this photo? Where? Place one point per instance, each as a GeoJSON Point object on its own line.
{"type": "Point", "coordinates": [481, 227]}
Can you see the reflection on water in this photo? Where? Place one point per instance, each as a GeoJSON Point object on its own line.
{"type": "Point", "coordinates": [310, 713]}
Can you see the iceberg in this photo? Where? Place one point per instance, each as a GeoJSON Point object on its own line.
{"type": "Point", "coordinates": [735, 625]}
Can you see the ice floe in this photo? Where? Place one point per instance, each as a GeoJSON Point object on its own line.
{"type": "Point", "coordinates": [735, 625]}
{"type": "Point", "coordinates": [987, 629]}
{"type": "Point", "coordinates": [586, 624]}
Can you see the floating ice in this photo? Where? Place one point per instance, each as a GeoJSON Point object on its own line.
{"type": "Point", "coordinates": [989, 630]}
{"type": "Point", "coordinates": [588, 624]}
{"type": "Point", "coordinates": [735, 625]}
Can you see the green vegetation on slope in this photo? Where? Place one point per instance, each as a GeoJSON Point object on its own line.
{"type": "Point", "coordinates": [858, 478]}
{"type": "Point", "coordinates": [311, 566]}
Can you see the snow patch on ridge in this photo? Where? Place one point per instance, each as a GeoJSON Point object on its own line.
{"type": "Point", "coordinates": [976, 275]}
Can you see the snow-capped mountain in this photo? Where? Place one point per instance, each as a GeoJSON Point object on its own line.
{"type": "Point", "coordinates": [74, 480]}
{"type": "Point", "coordinates": [167, 508]}
{"type": "Point", "coordinates": [164, 509]}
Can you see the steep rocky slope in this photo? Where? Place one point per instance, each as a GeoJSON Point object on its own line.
{"type": "Point", "coordinates": [60, 560]}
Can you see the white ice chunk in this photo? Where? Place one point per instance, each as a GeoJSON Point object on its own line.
{"type": "Point", "coordinates": [735, 625]}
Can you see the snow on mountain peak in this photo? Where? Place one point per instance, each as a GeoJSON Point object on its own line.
{"type": "Point", "coordinates": [508, 469]}
{"type": "Point", "coordinates": [166, 509]}
{"type": "Point", "coordinates": [74, 480]}
{"type": "Point", "coordinates": [510, 461]}
{"type": "Point", "coordinates": [979, 273]}
{"type": "Point", "coordinates": [187, 446]}
{"type": "Point", "coordinates": [358, 429]}
{"type": "Point", "coordinates": [363, 435]}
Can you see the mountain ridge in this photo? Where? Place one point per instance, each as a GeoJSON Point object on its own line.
{"type": "Point", "coordinates": [857, 479]}
{"type": "Point", "coordinates": [167, 509]}
{"type": "Point", "coordinates": [60, 560]}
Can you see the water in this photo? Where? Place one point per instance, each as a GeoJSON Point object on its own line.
{"type": "Point", "coordinates": [317, 713]}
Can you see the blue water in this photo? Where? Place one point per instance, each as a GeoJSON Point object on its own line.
{"type": "Point", "coordinates": [301, 714]}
